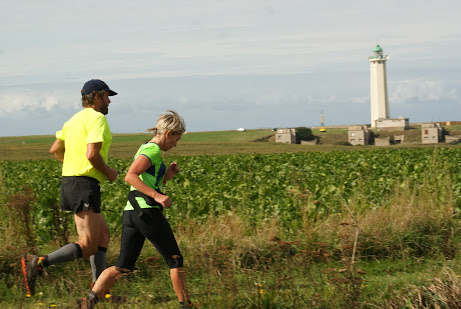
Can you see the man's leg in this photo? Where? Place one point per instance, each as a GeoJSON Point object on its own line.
{"type": "Point", "coordinates": [98, 260]}
{"type": "Point", "coordinates": [98, 263]}
{"type": "Point", "coordinates": [67, 253]}
{"type": "Point", "coordinates": [89, 226]}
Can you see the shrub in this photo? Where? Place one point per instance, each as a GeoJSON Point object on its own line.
{"type": "Point", "coordinates": [19, 211]}
{"type": "Point", "coordinates": [343, 143]}
{"type": "Point", "coordinates": [304, 134]}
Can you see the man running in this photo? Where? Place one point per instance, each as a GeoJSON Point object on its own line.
{"type": "Point", "coordinates": [82, 146]}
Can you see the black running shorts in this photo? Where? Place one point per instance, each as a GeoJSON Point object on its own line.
{"type": "Point", "coordinates": [80, 193]}
{"type": "Point", "coordinates": [153, 226]}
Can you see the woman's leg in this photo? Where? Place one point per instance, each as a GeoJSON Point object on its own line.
{"type": "Point", "coordinates": [161, 236]}
{"type": "Point", "coordinates": [106, 280]}
{"type": "Point", "coordinates": [130, 247]}
{"type": "Point", "coordinates": [178, 279]}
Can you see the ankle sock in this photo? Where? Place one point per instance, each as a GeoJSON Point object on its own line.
{"type": "Point", "coordinates": [93, 297]}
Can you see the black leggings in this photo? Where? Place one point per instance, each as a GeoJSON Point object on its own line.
{"type": "Point", "coordinates": [153, 226]}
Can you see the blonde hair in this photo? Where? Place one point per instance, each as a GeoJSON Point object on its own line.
{"type": "Point", "coordinates": [169, 120]}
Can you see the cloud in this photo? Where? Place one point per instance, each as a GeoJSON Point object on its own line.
{"type": "Point", "coordinates": [421, 90]}
{"type": "Point", "coordinates": [184, 38]}
{"type": "Point", "coordinates": [226, 59]}
{"type": "Point", "coordinates": [31, 103]}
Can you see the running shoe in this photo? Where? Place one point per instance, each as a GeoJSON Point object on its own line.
{"type": "Point", "coordinates": [111, 298]}
{"type": "Point", "coordinates": [114, 299]}
{"type": "Point", "coordinates": [87, 303]}
{"type": "Point", "coordinates": [31, 269]}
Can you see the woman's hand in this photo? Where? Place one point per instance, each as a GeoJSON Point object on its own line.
{"type": "Point", "coordinates": [171, 171]}
{"type": "Point", "coordinates": [164, 200]}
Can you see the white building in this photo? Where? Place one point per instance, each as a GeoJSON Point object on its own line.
{"type": "Point", "coordinates": [431, 133]}
{"type": "Point", "coordinates": [358, 135]}
{"type": "Point", "coordinates": [287, 136]}
{"type": "Point", "coordinates": [378, 86]}
{"type": "Point", "coordinates": [393, 124]}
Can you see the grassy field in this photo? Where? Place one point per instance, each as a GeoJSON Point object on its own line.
{"type": "Point", "coordinates": [125, 145]}
{"type": "Point", "coordinates": [193, 143]}
{"type": "Point", "coordinates": [261, 225]}
{"type": "Point", "coordinates": [203, 143]}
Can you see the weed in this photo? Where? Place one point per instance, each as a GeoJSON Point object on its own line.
{"type": "Point", "coordinates": [413, 224]}
{"type": "Point", "coordinates": [439, 293]}
{"type": "Point", "coordinates": [19, 210]}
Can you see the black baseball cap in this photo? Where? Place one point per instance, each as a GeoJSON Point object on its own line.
{"type": "Point", "coordinates": [96, 85]}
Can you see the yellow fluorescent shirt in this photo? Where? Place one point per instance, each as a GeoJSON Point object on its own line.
{"type": "Point", "coordinates": [85, 127]}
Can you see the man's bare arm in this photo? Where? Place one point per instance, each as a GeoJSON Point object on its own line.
{"type": "Point", "coordinates": [58, 149]}
{"type": "Point", "coordinates": [94, 156]}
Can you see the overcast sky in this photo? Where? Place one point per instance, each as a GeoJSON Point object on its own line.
{"type": "Point", "coordinates": [226, 64]}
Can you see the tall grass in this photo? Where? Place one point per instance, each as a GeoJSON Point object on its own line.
{"type": "Point", "coordinates": [402, 254]}
{"type": "Point", "coordinates": [443, 292]}
{"type": "Point", "coordinates": [418, 221]}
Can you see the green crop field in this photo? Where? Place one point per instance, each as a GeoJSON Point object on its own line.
{"type": "Point", "coordinates": [261, 225]}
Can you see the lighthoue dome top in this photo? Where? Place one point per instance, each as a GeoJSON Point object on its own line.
{"type": "Point", "coordinates": [377, 49]}
{"type": "Point", "coordinates": [378, 55]}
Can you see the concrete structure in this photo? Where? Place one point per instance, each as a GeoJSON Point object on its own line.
{"type": "Point", "coordinates": [398, 139]}
{"type": "Point", "coordinates": [392, 124]}
{"type": "Point", "coordinates": [431, 133]}
{"type": "Point", "coordinates": [312, 142]}
{"type": "Point", "coordinates": [452, 139]}
{"type": "Point", "coordinates": [358, 135]}
{"type": "Point", "coordinates": [385, 141]}
{"type": "Point", "coordinates": [344, 126]}
{"type": "Point", "coordinates": [378, 86]}
{"type": "Point", "coordinates": [287, 136]}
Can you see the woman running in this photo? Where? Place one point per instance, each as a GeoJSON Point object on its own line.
{"type": "Point", "coordinates": [143, 217]}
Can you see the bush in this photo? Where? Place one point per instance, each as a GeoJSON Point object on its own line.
{"type": "Point", "coordinates": [343, 143]}
{"type": "Point", "coordinates": [304, 134]}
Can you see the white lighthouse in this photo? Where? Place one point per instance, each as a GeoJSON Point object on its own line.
{"type": "Point", "coordinates": [378, 86]}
